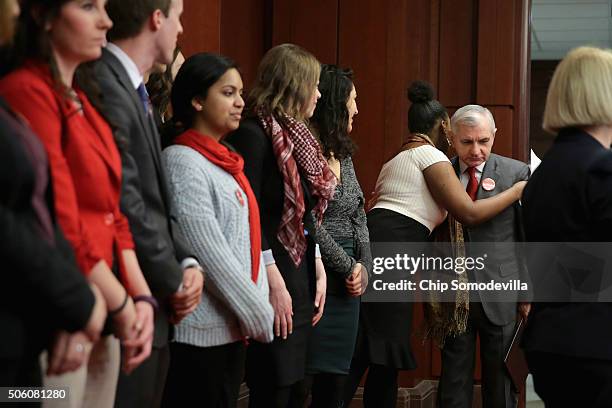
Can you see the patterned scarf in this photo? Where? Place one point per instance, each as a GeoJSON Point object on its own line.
{"type": "Point", "coordinates": [298, 153]}
{"type": "Point", "coordinates": [233, 164]}
{"type": "Point", "coordinates": [447, 319]}
{"type": "Point", "coordinates": [444, 319]}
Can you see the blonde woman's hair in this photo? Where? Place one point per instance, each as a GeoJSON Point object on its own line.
{"type": "Point", "coordinates": [286, 78]}
{"type": "Point", "coordinates": [580, 93]}
{"type": "Point", "coordinates": [7, 21]}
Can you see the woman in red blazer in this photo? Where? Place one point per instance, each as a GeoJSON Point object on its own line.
{"type": "Point", "coordinates": [86, 175]}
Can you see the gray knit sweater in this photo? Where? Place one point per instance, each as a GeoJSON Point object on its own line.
{"type": "Point", "coordinates": [212, 213]}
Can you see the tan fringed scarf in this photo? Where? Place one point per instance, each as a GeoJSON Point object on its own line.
{"type": "Point", "coordinates": [443, 319]}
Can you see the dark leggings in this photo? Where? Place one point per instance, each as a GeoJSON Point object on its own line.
{"type": "Point", "coordinates": [326, 389]}
{"type": "Point", "coordinates": [380, 388]}
{"type": "Point", "coordinates": [291, 396]}
{"type": "Point", "coordinates": [209, 375]}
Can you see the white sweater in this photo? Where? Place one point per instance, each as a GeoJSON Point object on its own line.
{"type": "Point", "coordinates": [206, 202]}
{"type": "Point", "coordinates": [401, 186]}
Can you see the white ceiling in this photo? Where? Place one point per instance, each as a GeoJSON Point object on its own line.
{"type": "Point", "coordinates": [557, 26]}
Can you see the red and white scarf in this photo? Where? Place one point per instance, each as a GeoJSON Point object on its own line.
{"type": "Point", "coordinates": [298, 153]}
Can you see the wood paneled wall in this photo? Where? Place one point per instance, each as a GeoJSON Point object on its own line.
{"type": "Point", "coordinates": [471, 51]}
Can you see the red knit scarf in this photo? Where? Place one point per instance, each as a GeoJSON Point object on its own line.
{"type": "Point", "coordinates": [298, 152]}
{"type": "Point", "coordinates": [232, 163]}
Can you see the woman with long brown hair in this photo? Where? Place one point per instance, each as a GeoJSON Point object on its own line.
{"type": "Point", "coordinates": [290, 178]}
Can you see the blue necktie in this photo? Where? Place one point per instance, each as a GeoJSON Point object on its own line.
{"type": "Point", "coordinates": [144, 98]}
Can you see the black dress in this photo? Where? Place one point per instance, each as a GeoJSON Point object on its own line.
{"type": "Point", "coordinates": [385, 327]}
{"type": "Point", "coordinates": [282, 362]}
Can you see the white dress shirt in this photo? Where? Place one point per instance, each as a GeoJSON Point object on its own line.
{"type": "Point", "coordinates": [128, 63]}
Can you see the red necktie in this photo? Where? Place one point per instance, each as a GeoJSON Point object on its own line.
{"type": "Point", "coordinates": [472, 185]}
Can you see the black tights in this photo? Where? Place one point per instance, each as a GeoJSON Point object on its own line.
{"type": "Point", "coordinates": [380, 389]}
{"type": "Point", "coordinates": [327, 390]}
{"type": "Point", "coordinates": [269, 396]}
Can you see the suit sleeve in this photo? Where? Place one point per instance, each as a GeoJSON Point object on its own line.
{"type": "Point", "coordinates": [253, 147]}
{"type": "Point", "coordinates": [38, 105]}
{"type": "Point", "coordinates": [156, 254]}
{"type": "Point", "coordinates": [520, 238]}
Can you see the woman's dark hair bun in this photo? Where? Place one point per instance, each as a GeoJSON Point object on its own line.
{"type": "Point", "coordinates": [420, 92]}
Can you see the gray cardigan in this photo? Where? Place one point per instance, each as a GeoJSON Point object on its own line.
{"type": "Point", "coordinates": [212, 212]}
{"type": "Point", "coordinates": [344, 219]}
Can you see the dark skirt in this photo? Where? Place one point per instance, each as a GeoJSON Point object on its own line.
{"type": "Point", "coordinates": [333, 338]}
{"type": "Point", "coordinates": [385, 328]}
{"type": "Point", "coordinates": [283, 362]}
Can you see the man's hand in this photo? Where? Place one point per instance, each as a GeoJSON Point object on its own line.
{"type": "Point", "coordinates": [281, 302]}
{"type": "Point", "coordinates": [68, 353]}
{"type": "Point", "coordinates": [319, 302]}
{"type": "Point", "coordinates": [187, 299]}
{"type": "Point", "coordinates": [353, 283]}
{"type": "Point", "coordinates": [138, 348]}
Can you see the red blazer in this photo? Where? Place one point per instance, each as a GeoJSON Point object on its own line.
{"type": "Point", "coordinates": [85, 163]}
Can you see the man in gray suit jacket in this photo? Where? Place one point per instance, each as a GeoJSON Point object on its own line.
{"type": "Point", "coordinates": [145, 32]}
{"type": "Point", "coordinates": [484, 175]}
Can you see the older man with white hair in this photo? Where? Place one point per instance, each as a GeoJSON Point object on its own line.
{"type": "Point", "coordinates": [484, 174]}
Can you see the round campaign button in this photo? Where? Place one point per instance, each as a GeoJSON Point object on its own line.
{"type": "Point", "coordinates": [488, 184]}
{"type": "Point", "coordinates": [239, 197]}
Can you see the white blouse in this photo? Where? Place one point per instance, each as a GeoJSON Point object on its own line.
{"type": "Point", "coordinates": [401, 186]}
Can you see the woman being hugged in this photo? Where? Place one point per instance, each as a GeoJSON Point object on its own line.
{"type": "Point", "coordinates": [290, 178]}
{"type": "Point", "coordinates": [343, 239]}
{"type": "Point", "coordinates": [415, 191]}
{"type": "Point", "coordinates": [216, 210]}
{"type": "Point", "coordinates": [85, 167]}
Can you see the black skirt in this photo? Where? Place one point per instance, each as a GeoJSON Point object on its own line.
{"type": "Point", "coordinates": [283, 362]}
{"type": "Point", "coordinates": [385, 328]}
{"type": "Point", "coordinates": [333, 339]}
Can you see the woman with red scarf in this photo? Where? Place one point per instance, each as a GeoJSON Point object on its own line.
{"type": "Point", "coordinates": [217, 212]}
{"type": "Point", "coordinates": [292, 183]}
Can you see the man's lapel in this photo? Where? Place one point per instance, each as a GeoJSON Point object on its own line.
{"type": "Point", "coordinates": [455, 163]}
{"type": "Point", "coordinates": [124, 80]}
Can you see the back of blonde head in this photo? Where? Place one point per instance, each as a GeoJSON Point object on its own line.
{"type": "Point", "coordinates": [580, 93]}
{"type": "Point", "coordinates": [286, 78]}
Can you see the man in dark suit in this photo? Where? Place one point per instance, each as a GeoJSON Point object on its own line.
{"type": "Point", "coordinates": [484, 175]}
{"type": "Point", "coordinates": [144, 33]}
